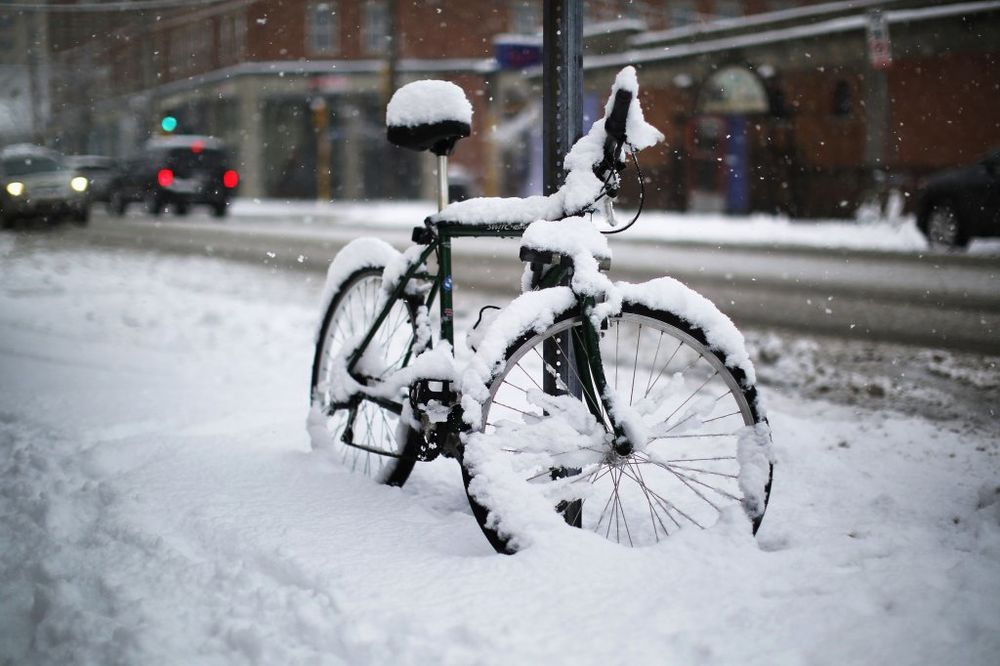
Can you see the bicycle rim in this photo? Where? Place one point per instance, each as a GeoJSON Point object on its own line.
{"type": "Point", "coordinates": [376, 429]}
{"type": "Point", "coordinates": [690, 403]}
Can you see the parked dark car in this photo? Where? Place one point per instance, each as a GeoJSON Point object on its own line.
{"type": "Point", "coordinates": [100, 171]}
{"type": "Point", "coordinates": [177, 171]}
{"type": "Point", "coordinates": [35, 182]}
{"type": "Point", "coordinates": [957, 205]}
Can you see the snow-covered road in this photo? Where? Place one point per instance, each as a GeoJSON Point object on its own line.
{"type": "Point", "coordinates": [159, 505]}
{"type": "Point", "coordinates": [847, 280]}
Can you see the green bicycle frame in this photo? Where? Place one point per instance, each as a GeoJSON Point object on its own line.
{"type": "Point", "coordinates": [585, 344]}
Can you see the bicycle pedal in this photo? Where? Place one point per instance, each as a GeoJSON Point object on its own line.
{"type": "Point", "coordinates": [427, 390]}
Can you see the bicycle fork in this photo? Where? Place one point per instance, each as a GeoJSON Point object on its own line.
{"type": "Point", "coordinates": [596, 393]}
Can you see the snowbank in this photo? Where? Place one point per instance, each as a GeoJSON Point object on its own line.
{"type": "Point", "coordinates": [159, 505]}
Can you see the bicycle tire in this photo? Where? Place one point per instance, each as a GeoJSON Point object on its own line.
{"type": "Point", "coordinates": [400, 442]}
{"type": "Point", "coordinates": [492, 510]}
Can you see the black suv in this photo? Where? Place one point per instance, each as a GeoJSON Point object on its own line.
{"type": "Point", "coordinates": [959, 204]}
{"type": "Point", "coordinates": [177, 171]}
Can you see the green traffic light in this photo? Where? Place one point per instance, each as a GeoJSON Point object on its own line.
{"type": "Point", "coordinates": [169, 123]}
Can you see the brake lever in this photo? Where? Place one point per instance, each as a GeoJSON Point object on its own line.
{"type": "Point", "coordinates": [608, 208]}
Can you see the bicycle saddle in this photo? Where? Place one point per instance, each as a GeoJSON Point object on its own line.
{"type": "Point", "coordinates": [428, 115]}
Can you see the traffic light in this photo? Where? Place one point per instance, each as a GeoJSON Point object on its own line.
{"type": "Point", "coordinates": [168, 124]}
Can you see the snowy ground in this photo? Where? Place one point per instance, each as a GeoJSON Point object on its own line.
{"type": "Point", "coordinates": [159, 503]}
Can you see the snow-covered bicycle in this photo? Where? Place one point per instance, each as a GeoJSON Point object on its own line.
{"type": "Point", "coordinates": [626, 409]}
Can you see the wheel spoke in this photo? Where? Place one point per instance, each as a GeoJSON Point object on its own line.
{"type": "Point", "coordinates": [683, 478]}
{"type": "Point", "coordinates": [528, 375]}
{"type": "Point", "coordinates": [654, 517]}
{"type": "Point", "coordinates": [705, 471]}
{"type": "Point", "coordinates": [680, 343]}
{"type": "Point", "coordinates": [696, 392]}
{"type": "Point", "coordinates": [668, 505]}
{"type": "Point", "coordinates": [515, 409]}
{"type": "Point", "coordinates": [635, 363]}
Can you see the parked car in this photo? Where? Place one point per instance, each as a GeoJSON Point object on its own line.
{"type": "Point", "coordinates": [957, 205]}
{"type": "Point", "coordinates": [100, 172]}
{"type": "Point", "coordinates": [36, 182]}
{"type": "Point", "coordinates": [177, 171]}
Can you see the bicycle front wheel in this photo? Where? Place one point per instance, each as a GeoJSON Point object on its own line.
{"type": "Point", "coordinates": [383, 448]}
{"type": "Point", "coordinates": [690, 405]}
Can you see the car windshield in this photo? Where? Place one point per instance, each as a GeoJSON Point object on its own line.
{"type": "Point", "coordinates": [24, 165]}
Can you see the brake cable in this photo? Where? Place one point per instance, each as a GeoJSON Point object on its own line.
{"type": "Point", "coordinates": [642, 198]}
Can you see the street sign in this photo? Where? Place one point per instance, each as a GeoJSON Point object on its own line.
{"type": "Point", "coordinates": [514, 52]}
{"type": "Point", "coordinates": [879, 47]}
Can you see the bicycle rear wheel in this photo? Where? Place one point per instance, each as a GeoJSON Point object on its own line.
{"type": "Point", "coordinates": [384, 447]}
{"type": "Point", "coordinates": [689, 406]}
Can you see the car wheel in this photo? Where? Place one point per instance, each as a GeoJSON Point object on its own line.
{"type": "Point", "coordinates": [154, 205]}
{"type": "Point", "coordinates": [181, 209]}
{"type": "Point", "coordinates": [943, 228]}
{"type": "Point", "coordinates": [116, 205]}
{"type": "Point", "coordinates": [219, 209]}
{"type": "Point", "coordinates": [81, 216]}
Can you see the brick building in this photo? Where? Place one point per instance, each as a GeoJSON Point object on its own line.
{"type": "Point", "coordinates": [799, 111]}
{"type": "Point", "coordinates": [767, 105]}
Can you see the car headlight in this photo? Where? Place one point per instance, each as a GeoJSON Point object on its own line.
{"type": "Point", "coordinates": [79, 184]}
{"type": "Point", "coordinates": [15, 189]}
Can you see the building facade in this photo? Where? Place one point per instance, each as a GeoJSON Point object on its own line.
{"type": "Point", "coordinates": [24, 77]}
{"type": "Point", "coordinates": [768, 105]}
{"type": "Point", "coordinates": [811, 110]}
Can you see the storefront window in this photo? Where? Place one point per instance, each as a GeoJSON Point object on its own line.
{"type": "Point", "coordinates": [682, 13]}
{"type": "Point", "coordinates": [728, 9]}
{"type": "Point", "coordinates": [526, 17]}
{"type": "Point", "coordinates": [376, 27]}
{"type": "Point", "coordinates": [323, 28]}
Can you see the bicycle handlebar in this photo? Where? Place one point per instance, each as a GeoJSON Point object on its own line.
{"type": "Point", "coordinates": [614, 128]}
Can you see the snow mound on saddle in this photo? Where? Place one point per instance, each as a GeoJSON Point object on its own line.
{"type": "Point", "coordinates": [427, 102]}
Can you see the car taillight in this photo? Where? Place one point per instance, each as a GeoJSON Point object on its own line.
{"type": "Point", "coordinates": [165, 177]}
{"type": "Point", "coordinates": [230, 179]}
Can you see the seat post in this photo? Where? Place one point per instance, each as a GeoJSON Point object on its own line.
{"type": "Point", "coordinates": [442, 182]}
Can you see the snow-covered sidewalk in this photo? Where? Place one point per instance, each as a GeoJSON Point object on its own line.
{"type": "Point", "coordinates": [159, 505]}
{"type": "Point", "coordinates": [888, 235]}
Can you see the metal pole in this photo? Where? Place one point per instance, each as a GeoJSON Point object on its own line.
{"type": "Point", "coordinates": [562, 83]}
{"type": "Point", "coordinates": [562, 101]}
{"type": "Point", "coordinates": [390, 155]}
{"type": "Point", "coordinates": [321, 126]}
{"type": "Point", "coordinates": [442, 182]}
{"type": "Point", "coordinates": [877, 102]}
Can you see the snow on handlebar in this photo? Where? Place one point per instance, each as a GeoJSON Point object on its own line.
{"type": "Point", "coordinates": [622, 128]}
